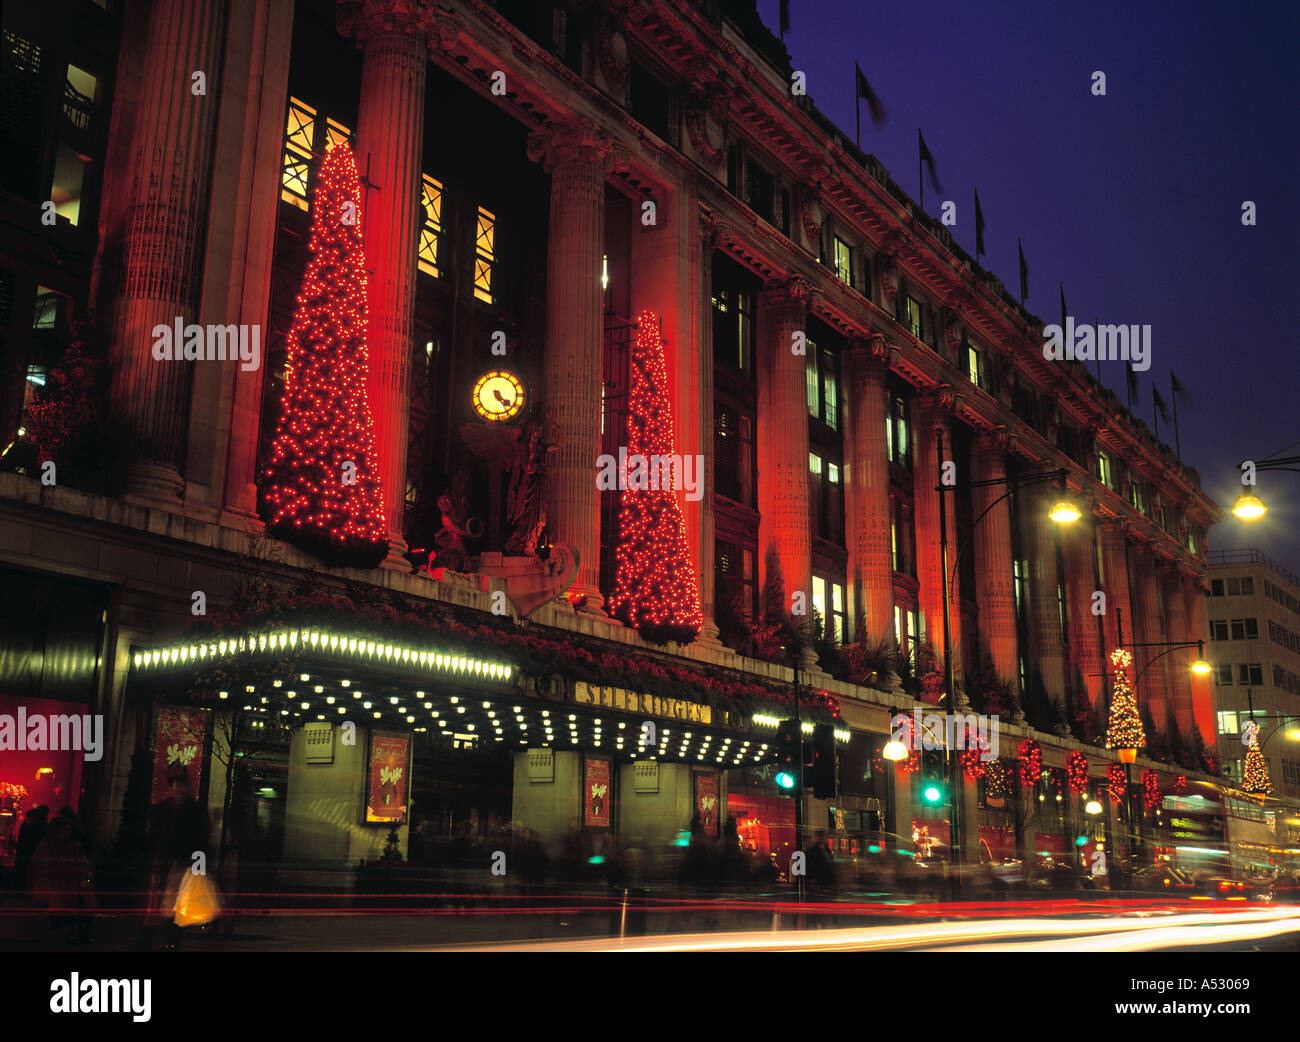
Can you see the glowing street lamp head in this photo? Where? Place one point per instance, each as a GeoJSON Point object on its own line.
{"type": "Point", "coordinates": [1200, 667]}
{"type": "Point", "coordinates": [1249, 507]}
{"type": "Point", "coordinates": [894, 750]}
{"type": "Point", "coordinates": [1092, 807]}
{"type": "Point", "coordinates": [1065, 512]}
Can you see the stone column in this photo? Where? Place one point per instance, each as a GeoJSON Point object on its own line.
{"type": "Point", "coordinates": [1153, 688]}
{"type": "Point", "coordinates": [703, 306]}
{"type": "Point", "coordinates": [994, 577]}
{"type": "Point", "coordinates": [785, 528]}
{"type": "Point", "coordinates": [162, 240]}
{"type": "Point", "coordinates": [1079, 547]}
{"type": "Point", "coordinates": [1046, 660]}
{"type": "Point", "coordinates": [576, 157]}
{"type": "Point", "coordinates": [671, 277]}
{"type": "Point", "coordinates": [395, 36]}
{"type": "Point", "coordinates": [1196, 619]}
{"type": "Point", "coordinates": [1115, 584]}
{"type": "Point", "coordinates": [226, 404]}
{"type": "Point", "coordinates": [933, 413]}
{"type": "Point", "coordinates": [1179, 671]}
{"type": "Point", "coordinates": [871, 569]}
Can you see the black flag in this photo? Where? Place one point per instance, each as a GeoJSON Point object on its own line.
{"type": "Point", "coordinates": [1061, 285]}
{"type": "Point", "coordinates": [1024, 273]}
{"type": "Point", "coordinates": [1179, 391]}
{"type": "Point", "coordinates": [874, 106]}
{"type": "Point", "coordinates": [1159, 404]}
{"type": "Point", "coordinates": [927, 157]}
{"type": "Point", "coordinates": [785, 18]}
{"type": "Point", "coordinates": [1132, 378]}
{"type": "Point", "coordinates": [979, 226]}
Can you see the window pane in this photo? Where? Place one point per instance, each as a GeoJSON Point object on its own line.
{"type": "Point", "coordinates": [484, 251]}
{"type": "Point", "coordinates": [814, 390]}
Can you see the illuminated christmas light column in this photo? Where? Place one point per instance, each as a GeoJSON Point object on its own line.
{"type": "Point", "coordinates": [994, 577]}
{"type": "Point", "coordinates": [867, 487]}
{"type": "Point", "coordinates": [577, 157]}
{"type": "Point", "coordinates": [162, 239]}
{"type": "Point", "coordinates": [395, 36]}
{"type": "Point", "coordinates": [322, 488]}
{"type": "Point", "coordinates": [656, 588]}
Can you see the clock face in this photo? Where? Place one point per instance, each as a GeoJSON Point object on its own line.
{"type": "Point", "coordinates": [498, 395]}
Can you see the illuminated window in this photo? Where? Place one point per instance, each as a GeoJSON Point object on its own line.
{"type": "Point", "coordinates": [1227, 722]}
{"type": "Point", "coordinates": [896, 432]}
{"type": "Point", "coordinates": [305, 135]}
{"type": "Point", "coordinates": [336, 134]}
{"type": "Point", "coordinates": [912, 317]}
{"type": "Point", "coordinates": [69, 173]}
{"type": "Point", "coordinates": [812, 382]}
{"type": "Point", "coordinates": [484, 254]}
{"type": "Point", "coordinates": [80, 90]}
{"type": "Point", "coordinates": [975, 365]}
{"type": "Point", "coordinates": [843, 261]}
{"type": "Point", "coordinates": [1105, 470]}
{"type": "Point", "coordinates": [431, 230]}
{"type": "Point", "coordinates": [298, 137]}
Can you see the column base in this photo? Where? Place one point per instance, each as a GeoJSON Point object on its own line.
{"type": "Point", "coordinates": [396, 559]}
{"type": "Point", "coordinates": [154, 484]}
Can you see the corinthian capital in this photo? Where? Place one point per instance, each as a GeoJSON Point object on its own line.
{"type": "Point", "coordinates": [581, 140]}
{"type": "Point", "coordinates": [367, 19]}
{"type": "Point", "coordinates": [994, 441]}
{"type": "Point", "coordinates": [794, 293]}
{"type": "Point", "coordinates": [939, 402]}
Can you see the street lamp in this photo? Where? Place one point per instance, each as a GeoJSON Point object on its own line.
{"type": "Point", "coordinates": [1249, 507]}
{"type": "Point", "coordinates": [1063, 512]}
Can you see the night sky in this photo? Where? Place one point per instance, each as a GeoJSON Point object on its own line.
{"type": "Point", "coordinates": [1133, 200]}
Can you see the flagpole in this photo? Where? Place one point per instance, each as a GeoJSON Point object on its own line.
{"type": "Point", "coordinates": [1097, 349]}
{"type": "Point", "coordinates": [1155, 413]}
{"type": "Point", "coordinates": [920, 179]}
{"type": "Point", "coordinates": [857, 103]}
{"type": "Point", "coordinates": [977, 226]}
{"type": "Point", "coordinates": [1173, 397]}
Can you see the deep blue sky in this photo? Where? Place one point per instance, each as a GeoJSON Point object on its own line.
{"type": "Point", "coordinates": [1133, 200]}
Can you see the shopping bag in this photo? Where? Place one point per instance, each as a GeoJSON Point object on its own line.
{"type": "Point", "coordinates": [197, 901]}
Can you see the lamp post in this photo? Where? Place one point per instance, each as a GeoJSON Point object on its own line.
{"type": "Point", "coordinates": [1249, 507]}
{"type": "Point", "coordinates": [1128, 756]}
{"type": "Point", "coordinates": [1062, 513]}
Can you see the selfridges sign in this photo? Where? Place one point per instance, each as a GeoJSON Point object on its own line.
{"type": "Point", "coordinates": [641, 704]}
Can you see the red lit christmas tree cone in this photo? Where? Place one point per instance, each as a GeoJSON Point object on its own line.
{"type": "Point", "coordinates": [656, 590]}
{"type": "Point", "coordinates": [321, 487]}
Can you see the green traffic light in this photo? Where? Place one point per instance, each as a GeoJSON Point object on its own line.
{"type": "Point", "coordinates": [785, 779]}
{"type": "Point", "coordinates": [932, 794]}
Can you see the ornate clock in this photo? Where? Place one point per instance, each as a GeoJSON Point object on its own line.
{"type": "Point", "coordinates": [498, 396]}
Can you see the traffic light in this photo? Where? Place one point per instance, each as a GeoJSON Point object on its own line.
{"type": "Point", "coordinates": [788, 767]}
{"type": "Point", "coordinates": [824, 774]}
{"type": "Point", "coordinates": [933, 791]}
